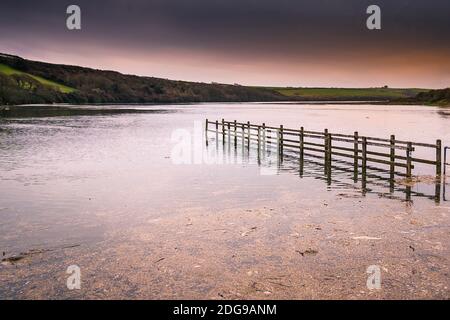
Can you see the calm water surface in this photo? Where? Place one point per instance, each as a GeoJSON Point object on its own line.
{"type": "Point", "coordinates": [74, 178]}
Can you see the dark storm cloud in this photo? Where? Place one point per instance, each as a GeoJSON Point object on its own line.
{"type": "Point", "coordinates": [243, 24]}
{"type": "Point", "coordinates": [262, 29]}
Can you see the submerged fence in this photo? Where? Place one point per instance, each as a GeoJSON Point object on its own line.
{"type": "Point", "coordinates": [363, 150]}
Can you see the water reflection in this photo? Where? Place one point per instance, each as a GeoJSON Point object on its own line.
{"type": "Point", "coordinates": [444, 113]}
{"type": "Point", "coordinates": [337, 173]}
{"type": "Point", "coordinates": [444, 189]}
{"type": "Point", "coordinates": [66, 111]}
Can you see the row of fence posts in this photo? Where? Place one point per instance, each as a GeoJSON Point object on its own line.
{"type": "Point", "coordinates": [328, 149]}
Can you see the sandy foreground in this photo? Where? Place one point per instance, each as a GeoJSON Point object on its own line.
{"type": "Point", "coordinates": [297, 250]}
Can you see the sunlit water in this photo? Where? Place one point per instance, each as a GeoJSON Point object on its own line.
{"type": "Point", "coordinates": [71, 179]}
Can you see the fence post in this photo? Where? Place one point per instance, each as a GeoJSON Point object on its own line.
{"type": "Point", "coordinates": [206, 125]}
{"type": "Point", "coordinates": [302, 143]}
{"type": "Point", "coordinates": [355, 155]}
{"type": "Point", "coordinates": [392, 156]}
{"type": "Point", "coordinates": [264, 135]}
{"type": "Point", "coordinates": [325, 143]}
{"type": "Point", "coordinates": [438, 157]}
{"type": "Point", "coordinates": [248, 133]}
{"type": "Point", "coordinates": [329, 149]}
{"type": "Point", "coordinates": [408, 160]}
{"type": "Point", "coordinates": [235, 133]}
{"type": "Point", "coordinates": [281, 140]}
{"type": "Point", "coordinates": [259, 138]}
{"type": "Point", "coordinates": [229, 132]}
{"type": "Point", "coordinates": [243, 138]}
{"type": "Point", "coordinates": [223, 131]}
{"type": "Point", "coordinates": [364, 155]}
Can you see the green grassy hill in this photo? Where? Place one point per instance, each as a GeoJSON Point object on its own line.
{"type": "Point", "coordinates": [7, 70]}
{"type": "Point", "coordinates": [350, 94]}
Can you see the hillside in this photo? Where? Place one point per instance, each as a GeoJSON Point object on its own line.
{"type": "Point", "coordinates": [8, 71]}
{"type": "Point", "coordinates": [29, 82]}
{"type": "Point", "coordinates": [24, 81]}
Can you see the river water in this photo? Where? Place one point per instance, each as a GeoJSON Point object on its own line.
{"type": "Point", "coordinates": [107, 188]}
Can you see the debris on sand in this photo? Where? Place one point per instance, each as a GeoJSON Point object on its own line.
{"type": "Point", "coordinates": [251, 273]}
{"type": "Point", "coordinates": [14, 259]}
{"type": "Point", "coordinates": [415, 222]}
{"type": "Point", "coordinates": [349, 195]}
{"type": "Point", "coordinates": [246, 233]}
{"type": "Point", "coordinates": [313, 226]}
{"type": "Point", "coordinates": [365, 238]}
{"type": "Point", "coordinates": [307, 252]}
{"type": "Point", "coordinates": [411, 182]}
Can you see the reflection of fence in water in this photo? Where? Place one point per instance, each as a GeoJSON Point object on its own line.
{"type": "Point", "coordinates": [333, 155]}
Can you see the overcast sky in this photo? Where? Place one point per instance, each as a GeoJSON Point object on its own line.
{"type": "Point", "coordinates": [254, 42]}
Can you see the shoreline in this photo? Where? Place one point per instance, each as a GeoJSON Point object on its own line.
{"type": "Point", "coordinates": [336, 102]}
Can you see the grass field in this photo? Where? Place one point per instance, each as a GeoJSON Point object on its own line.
{"type": "Point", "coordinates": [347, 93]}
{"type": "Point", "coordinates": [62, 88]}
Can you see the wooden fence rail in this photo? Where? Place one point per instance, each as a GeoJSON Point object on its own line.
{"type": "Point", "coordinates": [362, 149]}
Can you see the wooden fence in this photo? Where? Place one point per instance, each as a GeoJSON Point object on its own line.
{"type": "Point", "coordinates": [361, 149]}
{"type": "Point", "coordinates": [445, 172]}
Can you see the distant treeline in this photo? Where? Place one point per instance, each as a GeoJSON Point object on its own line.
{"type": "Point", "coordinates": [438, 97]}
{"type": "Point", "coordinates": [97, 86]}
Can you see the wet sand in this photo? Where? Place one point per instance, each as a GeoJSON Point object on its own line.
{"type": "Point", "coordinates": [297, 250]}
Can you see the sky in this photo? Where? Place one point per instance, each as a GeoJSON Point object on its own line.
{"type": "Point", "coordinates": [309, 43]}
